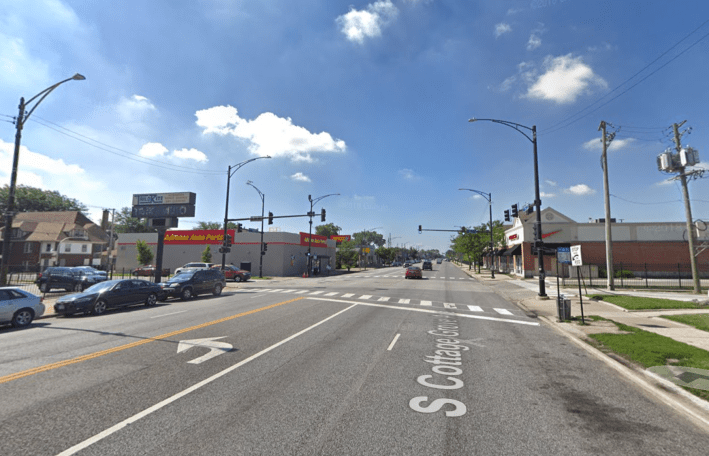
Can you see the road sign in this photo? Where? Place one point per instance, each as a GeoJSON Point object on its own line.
{"type": "Point", "coordinates": [163, 210]}
{"type": "Point", "coordinates": [149, 199]}
{"type": "Point", "coordinates": [224, 249]}
{"type": "Point", "coordinates": [576, 259]}
{"type": "Point", "coordinates": [563, 255]}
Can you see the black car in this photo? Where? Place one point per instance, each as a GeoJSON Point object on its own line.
{"type": "Point", "coordinates": [111, 293]}
{"type": "Point", "coordinates": [60, 277]}
{"type": "Point", "coordinates": [193, 282]}
{"type": "Point", "coordinates": [427, 265]}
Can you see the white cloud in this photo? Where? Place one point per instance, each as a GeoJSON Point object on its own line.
{"type": "Point", "coordinates": [616, 144]}
{"type": "Point", "coordinates": [551, 182]}
{"type": "Point", "coordinates": [546, 195]}
{"type": "Point", "coordinates": [534, 42]}
{"type": "Point", "coordinates": [501, 29]}
{"type": "Point", "coordinates": [268, 134]}
{"type": "Point", "coordinates": [152, 150]}
{"type": "Point", "coordinates": [357, 25]}
{"type": "Point", "coordinates": [408, 174]}
{"type": "Point", "coordinates": [512, 11]}
{"type": "Point", "coordinates": [564, 80]}
{"type": "Point", "coordinates": [135, 108]}
{"type": "Point", "coordinates": [190, 154]}
{"type": "Point", "coordinates": [34, 161]}
{"type": "Point", "coordinates": [18, 69]}
{"type": "Point", "coordinates": [300, 177]}
{"type": "Point", "coordinates": [580, 189]}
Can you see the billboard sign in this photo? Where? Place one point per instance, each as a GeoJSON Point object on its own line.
{"type": "Point", "coordinates": [341, 237]}
{"type": "Point", "coordinates": [315, 240]}
{"type": "Point", "coordinates": [149, 199]}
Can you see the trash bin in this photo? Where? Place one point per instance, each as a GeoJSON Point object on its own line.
{"type": "Point", "coordinates": [563, 306]}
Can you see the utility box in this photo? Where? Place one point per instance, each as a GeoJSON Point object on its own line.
{"type": "Point", "coordinates": [689, 156]}
{"type": "Point", "coordinates": [563, 307]}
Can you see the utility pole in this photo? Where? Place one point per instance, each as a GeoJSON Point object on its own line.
{"type": "Point", "coordinates": [687, 210]}
{"type": "Point", "coordinates": [606, 193]}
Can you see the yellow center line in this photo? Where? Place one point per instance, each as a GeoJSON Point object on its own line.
{"type": "Point", "coordinates": [79, 359]}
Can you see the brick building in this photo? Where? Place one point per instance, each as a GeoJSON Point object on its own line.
{"type": "Point", "coordinates": [652, 248]}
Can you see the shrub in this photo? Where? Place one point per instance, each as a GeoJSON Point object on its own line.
{"type": "Point", "coordinates": [625, 274]}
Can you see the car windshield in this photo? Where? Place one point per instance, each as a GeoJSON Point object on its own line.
{"type": "Point", "coordinates": [182, 276]}
{"type": "Point", "coordinates": [101, 286]}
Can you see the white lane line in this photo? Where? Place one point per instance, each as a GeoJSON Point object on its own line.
{"type": "Point", "coordinates": [317, 292]}
{"type": "Point", "coordinates": [452, 278]}
{"type": "Point", "coordinates": [302, 291]}
{"type": "Point", "coordinates": [426, 303]}
{"type": "Point", "coordinates": [384, 298]}
{"type": "Point", "coordinates": [117, 427]}
{"type": "Point", "coordinates": [391, 345]}
{"type": "Point", "coordinates": [365, 296]}
{"type": "Point", "coordinates": [332, 293]}
{"type": "Point", "coordinates": [348, 295]}
{"type": "Point", "coordinates": [503, 311]}
{"type": "Point", "coordinates": [475, 308]}
{"type": "Point", "coordinates": [440, 312]}
{"type": "Point", "coordinates": [172, 313]}
{"type": "Point", "coordinates": [449, 305]}
{"type": "Point", "coordinates": [404, 301]}
{"type": "Point", "coordinates": [276, 290]}
{"type": "Point", "coordinates": [289, 291]}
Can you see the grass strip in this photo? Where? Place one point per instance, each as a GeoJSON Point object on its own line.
{"type": "Point", "coordinates": [650, 349]}
{"type": "Point", "coordinates": [699, 321]}
{"type": "Point", "coordinates": [640, 303]}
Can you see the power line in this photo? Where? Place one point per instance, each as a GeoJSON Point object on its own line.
{"type": "Point", "coordinates": [658, 202]}
{"type": "Point", "coordinates": [552, 128]}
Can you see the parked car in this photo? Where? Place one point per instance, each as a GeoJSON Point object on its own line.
{"type": "Point", "coordinates": [59, 277]}
{"type": "Point", "coordinates": [439, 261]}
{"type": "Point", "coordinates": [109, 294]}
{"type": "Point", "coordinates": [407, 264]}
{"type": "Point", "coordinates": [427, 265]}
{"type": "Point", "coordinates": [89, 276]}
{"type": "Point", "coordinates": [19, 307]}
{"type": "Point", "coordinates": [193, 266]}
{"type": "Point", "coordinates": [193, 282]}
{"type": "Point", "coordinates": [413, 272]}
{"type": "Point", "coordinates": [149, 271]}
{"type": "Point", "coordinates": [231, 272]}
{"type": "Point", "coordinates": [396, 263]}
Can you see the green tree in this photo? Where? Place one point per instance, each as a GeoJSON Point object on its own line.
{"type": "Point", "coordinates": [207, 255]}
{"type": "Point", "coordinates": [126, 223]}
{"type": "Point", "coordinates": [328, 230]}
{"type": "Point", "coordinates": [145, 254]}
{"type": "Point", "coordinates": [367, 238]}
{"type": "Point", "coordinates": [386, 254]}
{"type": "Point", "coordinates": [32, 199]}
{"type": "Point", "coordinates": [215, 226]}
{"type": "Point", "coordinates": [475, 242]}
{"type": "Point", "coordinates": [347, 255]}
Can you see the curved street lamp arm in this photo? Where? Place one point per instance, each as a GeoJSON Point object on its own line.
{"type": "Point", "coordinates": [259, 191]}
{"type": "Point", "coordinates": [234, 168]}
{"type": "Point", "coordinates": [313, 202]}
{"type": "Point", "coordinates": [43, 94]}
{"type": "Point", "coordinates": [513, 125]}
{"type": "Point", "coordinates": [487, 196]}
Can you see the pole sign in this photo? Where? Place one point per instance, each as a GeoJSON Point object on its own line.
{"type": "Point", "coordinates": [576, 255]}
{"type": "Point", "coordinates": [563, 255]}
{"type": "Point", "coordinates": [163, 205]}
{"type": "Point", "coordinates": [149, 199]}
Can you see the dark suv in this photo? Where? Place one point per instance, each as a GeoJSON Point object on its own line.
{"type": "Point", "coordinates": [60, 277]}
{"type": "Point", "coordinates": [193, 282]}
{"type": "Point", "coordinates": [427, 265]}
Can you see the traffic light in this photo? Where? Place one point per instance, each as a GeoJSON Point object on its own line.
{"type": "Point", "coordinates": [238, 228]}
{"type": "Point", "coordinates": [420, 230]}
{"type": "Point", "coordinates": [515, 212]}
{"type": "Point", "coordinates": [507, 216]}
{"type": "Point", "coordinates": [322, 214]}
{"type": "Point", "coordinates": [227, 242]}
{"type": "Point", "coordinates": [535, 231]}
{"type": "Point", "coordinates": [265, 247]}
{"type": "Point", "coordinates": [270, 218]}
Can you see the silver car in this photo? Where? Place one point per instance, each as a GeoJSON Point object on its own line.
{"type": "Point", "coordinates": [19, 307]}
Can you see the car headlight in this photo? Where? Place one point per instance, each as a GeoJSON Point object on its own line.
{"type": "Point", "coordinates": [174, 285]}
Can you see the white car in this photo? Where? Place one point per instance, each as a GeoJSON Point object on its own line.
{"type": "Point", "coordinates": [19, 307]}
{"type": "Point", "coordinates": [189, 266]}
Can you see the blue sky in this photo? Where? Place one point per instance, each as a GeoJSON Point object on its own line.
{"type": "Point", "coordinates": [369, 99]}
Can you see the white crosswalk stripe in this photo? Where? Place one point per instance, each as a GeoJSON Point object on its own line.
{"type": "Point", "coordinates": [301, 291]}
{"type": "Point", "coordinates": [365, 296]}
{"type": "Point", "coordinates": [289, 291]}
{"type": "Point", "coordinates": [404, 301]}
{"type": "Point", "coordinates": [317, 292]}
{"type": "Point", "coordinates": [332, 293]}
{"type": "Point", "coordinates": [426, 303]}
{"type": "Point", "coordinates": [383, 299]}
{"type": "Point", "coordinates": [348, 295]}
{"type": "Point", "coordinates": [503, 311]}
{"type": "Point", "coordinates": [475, 308]}
{"type": "Point", "coordinates": [449, 305]}
{"type": "Point", "coordinates": [276, 290]}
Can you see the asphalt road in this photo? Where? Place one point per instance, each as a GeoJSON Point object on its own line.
{"type": "Point", "coordinates": [366, 363]}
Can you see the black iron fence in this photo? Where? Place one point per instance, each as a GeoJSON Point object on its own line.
{"type": "Point", "coordinates": [635, 275]}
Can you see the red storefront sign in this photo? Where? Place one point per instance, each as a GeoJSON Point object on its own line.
{"type": "Point", "coordinates": [513, 237]}
{"type": "Point", "coordinates": [315, 240]}
{"type": "Point", "coordinates": [341, 237]}
{"type": "Point", "coordinates": [197, 237]}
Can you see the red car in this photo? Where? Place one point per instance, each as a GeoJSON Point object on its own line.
{"type": "Point", "coordinates": [231, 272]}
{"type": "Point", "coordinates": [149, 270]}
{"type": "Point", "coordinates": [413, 272]}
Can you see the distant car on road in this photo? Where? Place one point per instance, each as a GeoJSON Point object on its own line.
{"type": "Point", "coordinates": [231, 272]}
{"type": "Point", "coordinates": [111, 293]}
{"type": "Point", "coordinates": [189, 266]}
{"type": "Point", "coordinates": [19, 307]}
{"type": "Point", "coordinates": [439, 261]}
{"type": "Point", "coordinates": [193, 282]}
{"type": "Point", "coordinates": [413, 272]}
{"type": "Point", "coordinates": [149, 271]}
{"type": "Point", "coordinates": [427, 265]}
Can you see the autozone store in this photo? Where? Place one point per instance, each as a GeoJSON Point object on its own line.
{"type": "Point", "coordinates": [286, 253]}
{"type": "Point", "coordinates": [655, 246]}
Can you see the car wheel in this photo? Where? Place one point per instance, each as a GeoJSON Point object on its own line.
{"type": "Point", "coordinates": [217, 289]}
{"type": "Point", "coordinates": [43, 287]}
{"type": "Point", "coordinates": [78, 287]}
{"type": "Point", "coordinates": [186, 294]}
{"type": "Point", "coordinates": [237, 278]}
{"type": "Point", "coordinates": [22, 318]}
{"type": "Point", "coordinates": [99, 307]}
{"type": "Point", "coordinates": [151, 300]}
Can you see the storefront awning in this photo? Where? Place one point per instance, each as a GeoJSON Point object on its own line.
{"type": "Point", "coordinates": [500, 252]}
{"type": "Point", "coordinates": [516, 250]}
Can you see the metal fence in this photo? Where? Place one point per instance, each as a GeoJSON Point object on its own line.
{"type": "Point", "coordinates": [636, 275]}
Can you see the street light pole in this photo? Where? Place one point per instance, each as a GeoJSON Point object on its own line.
{"type": "Point", "coordinates": [310, 231]}
{"type": "Point", "coordinates": [230, 173]}
{"type": "Point", "coordinates": [10, 209]}
{"type": "Point", "coordinates": [487, 196]}
{"type": "Point", "coordinates": [537, 200]}
{"type": "Point", "coordinates": [263, 203]}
